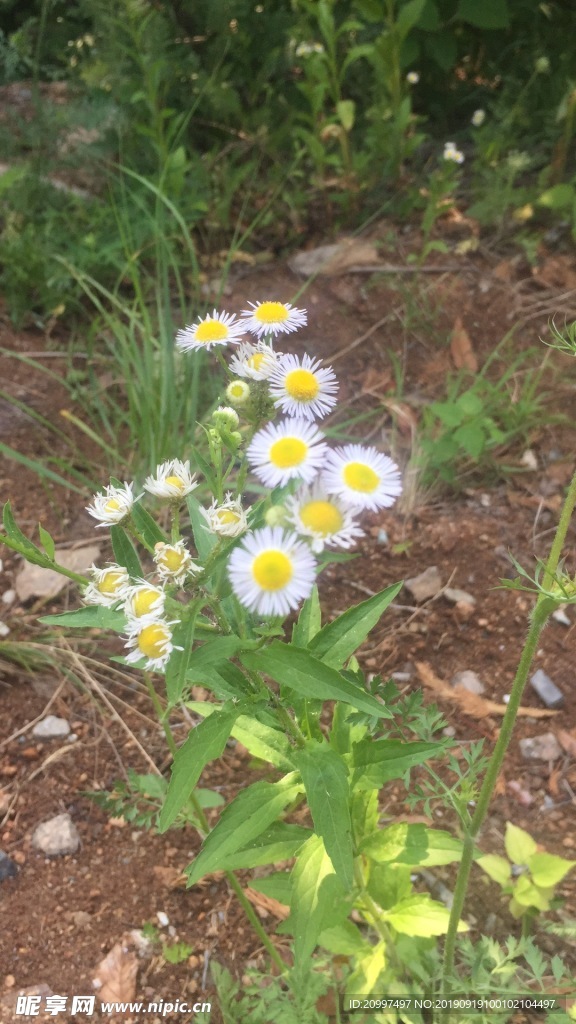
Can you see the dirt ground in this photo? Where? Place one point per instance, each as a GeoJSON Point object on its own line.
{"type": "Point", "coordinates": [62, 915]}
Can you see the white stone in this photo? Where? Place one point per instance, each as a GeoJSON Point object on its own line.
{"type": "Point", "coordinates": [9, 596]}
{"type": "Point", "coordinates": [56, 837]}
{"type": "Point", "coordinates": [541, 748]}
{"type": "Point", "coordinates": [468, 680]}
{"type": "Point", "coordinates": [4, 629]}
{"type": "Point", "coordinates": [51, 728]}
{"type": "Point", "coordinates": [426, 585]}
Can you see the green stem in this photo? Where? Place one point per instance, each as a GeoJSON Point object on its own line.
{"type": "Point", "coordinates": [375, 913]}
{"type": "Point", "coordinates": [540, 614]}
{"type": "Point", "coordinates": [131, 528]}
{"type": "Point", "coordinates": [157, 704]}
{"type": "Point", "coordinates": [175, 524]}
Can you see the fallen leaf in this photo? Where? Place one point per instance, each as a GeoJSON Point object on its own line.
{"type": "Point", "coordinates": [171, 877]}
{"type": "Point", "coordinates": [461, 348]}
{"type": "Point", "coordinates": [258, 899]}
{"type": "Point", "coordinates": [472, 703]}
{"type": "Point", "coordinates": [115, 976]}
{"type": "Point", "coordinates": [567, 741]}
{"type": "Point", "coordinates": [376, 382]}
{"type": "Point", "coordinates": [553, 781]}
{"type": "Point", "coordinates": [34, 581]}
{"type": "Point", "coordinates": [405, 416]}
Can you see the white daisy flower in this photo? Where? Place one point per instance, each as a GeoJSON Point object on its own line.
{"type": "Point", "coordinates": [322, 517]}
{"type": "Point", "coordinates": [413, 77]}
{"type": "Point", "coordinates": [173, 480]}
{"type": "Point", "coordinates": [109, 585]}
{"type": "Point", "coordinates": [452, 153]}
{"type": "Point", "coordinates": [272, 318]}
{"type": "Point", "coordinates": [272, 571]}
{"type": "Point", "coordinates": [214, 329]}
{"type": "Point", "coordinates": [254, 361]}
{"type": "Point", "coordinates": [478, 118]}
{"type": "Point", "coordinates": [144, 601]}
{"type": "Point", "coordinates": [153, 641]}
{"type": "Point", "coordinates": [238, 392]}
{"type": "Point", "coordinates": [226, 518]}
{"type": "Point", "coordinates": [174, 562]}
{"type": "Point", "coordinates": [302, 387]}
{"type": "Point", "coordinates": [291, 449]}
{"type": "Point", "coordinates": [113, 506]}
{"type": "Point", "coordinates": [362, 477]}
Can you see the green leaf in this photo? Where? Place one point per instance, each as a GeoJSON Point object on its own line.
{"type": "Point", "coordinates": [409, 16]}
{"type": "Point", "coordinates": [315, 888]}
{"type": "Point", "coordinates": [421, 915]}
{"type": "Point", "coordinates": [262, 740]}
{"type": "Point", "coordinates": [484, 13]}
{"type": "Point", "coordinates": [279, 842]}
{"type": "Point", "coordinates": [413, 845]}
{"type": "Point", "coordinates": [92, 617]}
{"type": "Point", "coordinates": [204, 743]}
{"type": "Point", "coordinates": [547, 869]}
{"type": "Point", "coordinates": [526, 894]}
{"type": "Point", "coordinates": [277, 885]}
{"type": "Point", "coordinates": [124, 551]}
{"type": "Point", "coordinates": [558, 197]}
{"type": "Point", "coordinates": [471, 437]}
{"type": "Point", "coordinates": [379, 761]}
{"type": "Point", "coordinates": [203, 539]}
{"type": "Point", "coordinates": [344, 939]}
{"type": "Point", "coordinates": [519, 844]}
{"type": "Point", "coordinates": [177, 667]}
{"type": "Point", "coordinates": [339, 640]}
{"type": "Point", "coordinates": [497, 868]}
{"type": "Point", "coordinates": [47, 542]}
{"type": "Point", "coordinates": [368, 970]}
{"type": "Point", "coordinates": [310, 677]}
{"type": "Point", "coordinates": [147, 526]}
{"type": "Point", "coordinates": [325, 778]}
{"type": "Point", "coordinates": [309, 620]}
{"type": "Point", "coordinates": [247, 817]}
{"type": "Point", "coordinates": [23, 544]}
{"type": "Point", "coordinates": [346, 110]}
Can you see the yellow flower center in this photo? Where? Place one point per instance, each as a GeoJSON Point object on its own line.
{"type": "Point", "coordinates": [225, 516]}
{"type": "Point", "coordinates": [237, 390]}
{"type": "Point", "coordinates": [288, 452]}
{"type": "Point", "coordinates": [153, 639]}
{"type": "Point", "coordinates": [271, 312]}
{"type": "Point", "coordinates": [256, 361]}
{"type": "Point", "coordinates": [360, 477]}
{"type": "Point", "coordinates": [211, 330]}
{"type": "Point", "coordinates": [112, 505]}
{"type": "Point", "coordinates": [322, 517]}
{"type": "Point", "coordinates": [110, 582]}
{"type": "Point", "coordinates": [302, 385]}
{"type": "Point", "coordinates": [176, 482]}
{"type": "Point", "coordinates": [172, 559]}
{"type": "Point", "coordinates": [272, 570]}
{"type": "Point", "coordinates": [143, 600]}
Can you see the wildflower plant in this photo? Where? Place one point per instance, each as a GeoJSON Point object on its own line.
{"type": "Point", "coordinates": [253, 514]}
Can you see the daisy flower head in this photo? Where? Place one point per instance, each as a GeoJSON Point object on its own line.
{"type": "Point", "coordinates": [478, 118]}
{"type": "Point", "coordinates": [323, 517]}
{"type": "Point", "coordinates": [272, 318]}
{"type": "Point", "coordinates": [272, 571]}
{"type": "Point", "coordinates": [173, 480]}
{"type": "Point", "coordinates": [413, 77]}
{"type": "Point", "coordinates": [227, 517]}
{"type": "Point", "coordinates": [293, 449]}
{"type": "Point", "coordinates": [144, 602]}
{"type": "Point", "coordinates": [113, 506]}
{"type": "Point", "coordinates": [302, 387]}
{"type": "Point", "coordinates": [257, 361]}
{"type": "Point", "coordinates": [174, 562]}
{"type": "Point", "coordinates": [214, 329]}
{"type": "Point", "coordinates": [238, 392]}
{"type": "Point", "coordinates": [153, 641]}
{"type": "Point", "coordinates": [108, 586]}
{"type": "Point", "coordinates": [225, 417]}
{"type": "Point", "coordinates": [362, 477]}
{"type": "Point", "coordinates": [452, 153]}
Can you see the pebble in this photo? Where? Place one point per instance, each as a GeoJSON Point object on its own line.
{"type": "Point", "coordinates": [426, 585]}
{"type": "Point", "coordinates": [468, 680]}
{"type": "Point", "coordinates": [548, 692]}
{"type": "Point", "coordinates": [51, 728]}
{"type": "Point", "coordinates": [9, 596]}
{"type": "Point", "coordinates": [8, 868]}
{"type": "Point", "coordinates": [56, 837]}
{"type": "Point", "coordinates": [4, 629]}
{"type": "Point", "coordinates": [541, 748]}
{"type": "Point", "coordinates": [458, 596]}
{"type": "Point", "coordinates": [560, 616]}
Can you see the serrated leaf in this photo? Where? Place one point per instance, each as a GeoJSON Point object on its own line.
{"type": "Point", "coordinates": [247, 817]}
{"type": "Point", "coordinates": [519, 844]}
{"type": "Point", "coordinates": [300, 671]}
{"type": "Point", "coordinates": [124, 551]}
{"type": "Point", "coordinates": [92, 617]}
{"type": "Point", "coordinates": [547, 869]}
{"type": "Point", "coordinates": [204, 743]}
{"type": "Point", "coordinates": [47, 542]}
{"type": "Point", "coordinates": [526, 894]}
{"type": "Point", "coordinates": [378, 761]}
{"type": "Point", "coordinates": [340, 639]}
{"type": "Point", "coordinates": [412, 844]}
{"type": "Point", "coordinates": [260, 739]}
{"type": "Point", "coordinates": [325, 778]}
{"type": "Point", "coordinates": [421, 915]}
{"type": "Point", "coordinates": [344, 939]}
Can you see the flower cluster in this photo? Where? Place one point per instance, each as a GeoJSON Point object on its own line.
{"type": "Point", "coordinates": [324, 490]}
{"type": "Point", "coordinates": [452, 153]}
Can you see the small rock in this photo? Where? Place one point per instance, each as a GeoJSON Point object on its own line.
{"type": "Point", "coordinates": [449, 731]}
{"type": "Point", "coordinates": [56, 837]}
{"type": "Point", "coordinates": [529, 459]}
{"type": "Point", "coordinates": [426, 585]}
{"type": "Point", "coordinates": [163, 919]}
{"type": "Point", "coordinates": [548, 692]}
{"type": "Point", "coordinates": [8, 868]}
{"type": "Point", "coordinates": [51, 728]}
{"type": "Point", "coordinates": [560, 616]}
{"type": "Point", "coordinates": [9, 596]}
{"type": "Point", "coordinates": [382, 537]}
{"type": "Point", "coordinates": [80, 918]}
{"type": "Point", "coordinates": [541, 748]}
{"type": "Point", "coordinates": [468, 680]}
{"type": "Point", "coordinates": [458, 596]}
{"type": "Point", "coordinates": [4, 629]}
{"type": "Point", "coordinates": [34, 581]}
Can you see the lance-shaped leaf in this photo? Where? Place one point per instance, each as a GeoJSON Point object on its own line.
{"type": "Point", "coordinates": [92, 617]}
{"type": "Point", "coordinates": [260, 738]}
{"type": "Point", "coordinates": [377, 761]}
{"type": "Point", "coordinates": [309, 620]}
{"type": "Point", "coordinates": [203, 539]}
{"type": "Point", "coordinates": [325, 778]}
{"type": "Point", "coordinates": [247, 817]}
{"type": "Point", "coordinates": [176, 669]}
{"type": "Point", "coordinates": [147, 526]}
{"type": "Point", "coordinates": [205, 742]}
{"type": "Point", "coordinates": [315, 891]}
{"type": "Point", "coordinates": [279, 842]}
{"type": "Point", "coordinates": [310, 677]}
{"type": "Point", "coordinates": [338, 640]}
{"type": "Point", "coordinates": [124, 551]}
